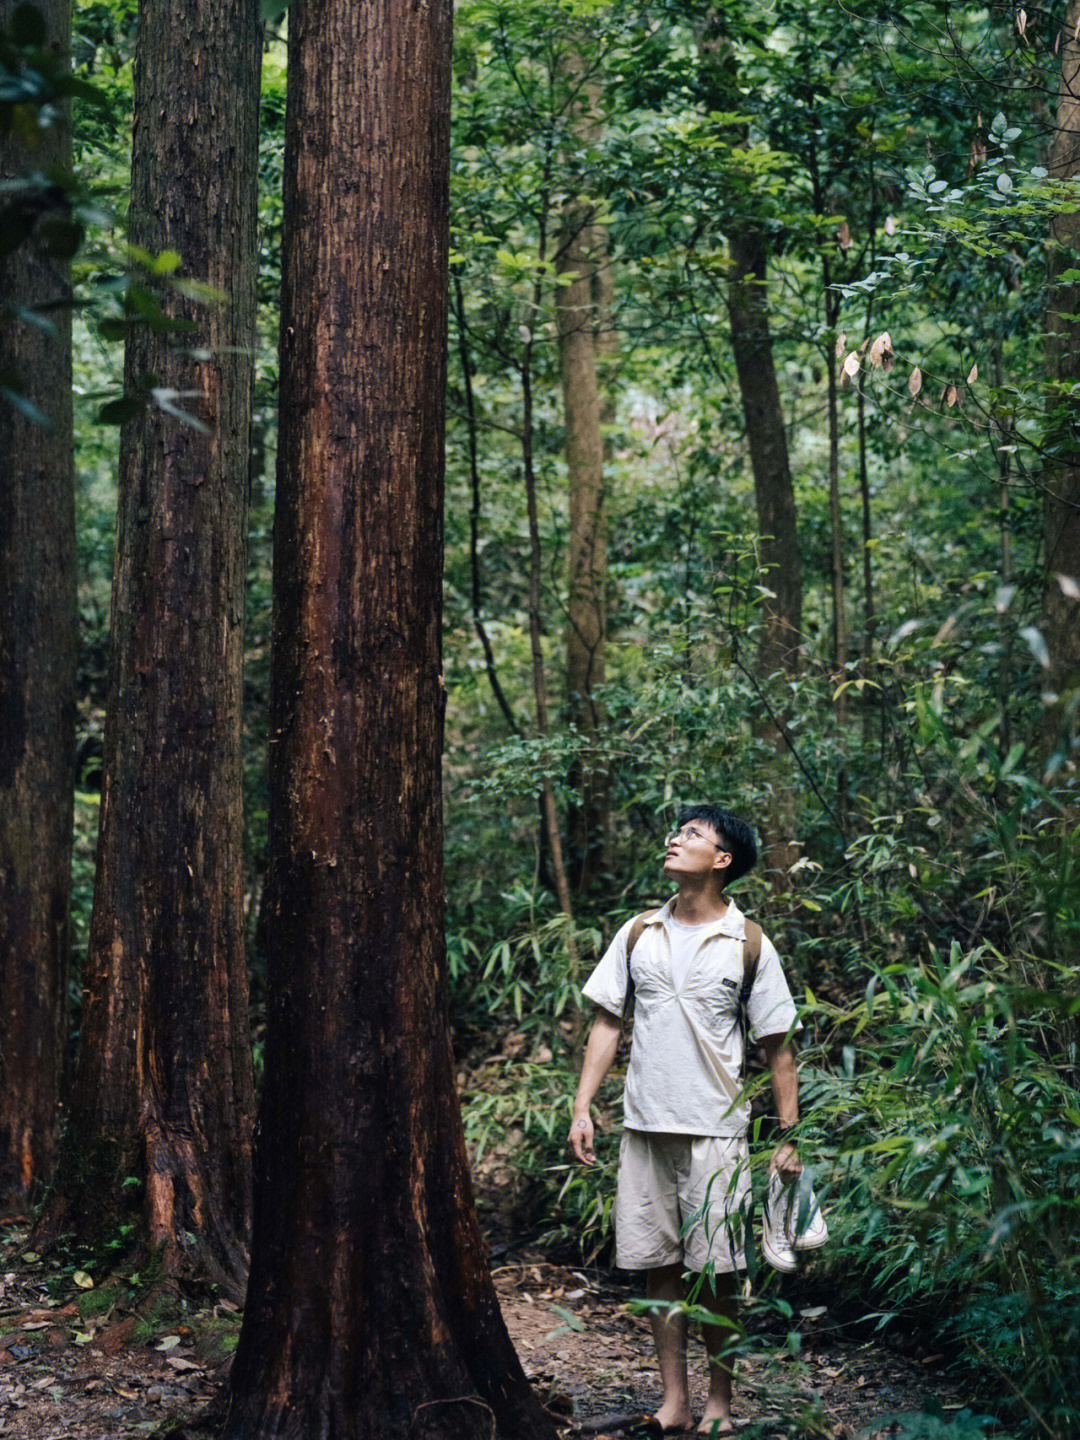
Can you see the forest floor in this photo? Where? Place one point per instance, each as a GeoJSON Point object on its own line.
{"type": "Point", "coordinates": [82, 1362]}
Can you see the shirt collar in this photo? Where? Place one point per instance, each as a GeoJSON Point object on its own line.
{"type": "Point", "coordinates": [732, 922]}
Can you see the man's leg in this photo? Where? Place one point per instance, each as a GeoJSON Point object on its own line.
{"type": "Point", "coordinates": [669, 1335]}
{"type": "Point", "coordinates": [722, 1298]}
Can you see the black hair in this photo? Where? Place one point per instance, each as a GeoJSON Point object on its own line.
{"type": "Point", "coordinates": [735, 832]}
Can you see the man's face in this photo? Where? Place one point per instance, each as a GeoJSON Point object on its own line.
{"type": "Point", "coordinates": [695, 851]}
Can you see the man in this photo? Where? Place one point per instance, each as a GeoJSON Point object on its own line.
{"type": "Point", "coordinates": [683, 1180]}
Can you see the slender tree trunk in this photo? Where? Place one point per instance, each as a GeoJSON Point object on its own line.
{"type": "Point", "coordinates": [370, 1310]}
{"type": "Point", "coordinates": [580, 322]}
{"type": "Point", "coordinates": [774, 494]}
{"type": "Point", "coordinates": [778, 648]}
{"type": "Point", "coordinates": [474, 515]}
{"type": "Point", "coordinates": [767, 440]}
{"type": "Point", "coordinates": [836, 533]}
{"type": "Point", "coordinates": [1061, 516]}
{"type": "Point", "coordinates": [164, 1089]}
{"type": "Point", "coordinates": [37, 674]}
{"type": "Point", "coordinates": [548, 810]}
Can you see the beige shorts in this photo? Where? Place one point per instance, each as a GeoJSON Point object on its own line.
{"type": "Point", "coordinates": [682, 1199]}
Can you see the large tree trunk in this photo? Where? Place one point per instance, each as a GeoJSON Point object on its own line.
{"type": "Point", "coordinates": [1061, 515]}
{"type": "Point", "coordinates": [37, 676]}
{"type": "Point", "coordinates": [164, 1087]}
{"type": "Point", "coordinates": [370, 1310]}
{"type": "Point", "coordinates": [581, 326]}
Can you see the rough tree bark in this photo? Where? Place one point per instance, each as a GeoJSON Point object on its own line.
{"type": "Point", "coordinates": [582, 328]}
{"type": "Point", "coordinates": [1061, 514]}
{"type": "Point", "coordinates": [370, 1309]}
{"type": "Point", "coordinates": [164, 1089]}
{"type": "Point", "coordinates": [37, 673]}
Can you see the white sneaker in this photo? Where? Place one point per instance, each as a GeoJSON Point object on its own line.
{"type": "Point", "coordinates": [775, 1237]}
{"type": "Point", "coordinates": [792, 1221]}
{"type": "Point", "coordinates": [806, 1223]}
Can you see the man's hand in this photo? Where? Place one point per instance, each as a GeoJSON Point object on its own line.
{"type": "Point", "coordinates": [580, 1139]}
{"type": "Point", "coordinates": [786, 1163]}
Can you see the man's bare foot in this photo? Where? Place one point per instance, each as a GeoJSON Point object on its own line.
{"type": "Point", "coordinates": [714, 1423]}
{"type": "Point", "coordinates": [675, 1416]}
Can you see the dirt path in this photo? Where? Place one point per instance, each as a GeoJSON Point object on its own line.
{"type": "Point", "coordinates": [833, 1387]}
{"type": "Point", "coordinates": [85, 1362]}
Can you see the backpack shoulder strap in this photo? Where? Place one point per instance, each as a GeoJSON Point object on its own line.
{"type": "Point", "coordinates": [751, 955]}
{"type": "Point", "coordinates": [635, 935]}
{"type": "Point", "coordinates": [636, 930]}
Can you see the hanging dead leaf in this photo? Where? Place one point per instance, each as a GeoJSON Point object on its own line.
{"type": "Point", "coordinates": [841, 341]}
{"type": "Point", "coordinates": [881, 350]}
{"type": "Point", "coordinates": [950, 395]}
{"type": "Point", "coordinates": [850, 370]}
{"type": "Point", "coordinates": [843, 236]}
{"type": "Point", "coordinates": [977, 153]}
{"type": "Point", "coordinates": [890, 224]}
{"type": "Point", "coordinates": [973, 374]}
{"type": "Point", "coordinates": [914, 383]}
{"type": "Point", "coordinates": [1076, 32]}
{"type": "Point", "coordinates": [1057, 42]}
{"type": "Point", "coordinates": [1021, 23]}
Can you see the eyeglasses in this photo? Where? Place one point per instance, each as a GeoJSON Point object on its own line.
{"type": "Point", "coordinates": [687, 834]}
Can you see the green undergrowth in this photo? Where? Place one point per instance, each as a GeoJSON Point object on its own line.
{"type": "Point", "coordinates": [940, 1061]}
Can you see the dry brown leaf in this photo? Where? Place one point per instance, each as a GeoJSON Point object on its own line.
{"type": "Point", "coordinates": [843, 236]}
{"type": "Point", "coordinates": [973, 374]}
{"type": "Point", "coordinates": [841, 341]}
{"type": "Point", "coordinates": [882, 353]}
{"type": "Point", "coordinates": [950, 395]}
{"type": "Point", "coordinates": [179, 1363]}
{"type": "Point", "coordinates": [850, 370]}
{"type": "Point", "coordinates": [1057, 42]}
{"type": "Point", "coordinates": [890, 225]}
{"type": "Point", "coordinates": [977, 154]}
{"type": "Point", "coordinates": [914, 383]}
{"type": "Point", "coordinates": [862, 347]}
{"type": "Point", "coordinates": [1021, 23]}
{"type": "Point", "coordinates": [1076, 32]}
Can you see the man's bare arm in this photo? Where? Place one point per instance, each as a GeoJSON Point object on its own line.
{"type": "Point", "coordinates": [600, 1051]}
{"type": "Point", "coordinates": [780, 1054]}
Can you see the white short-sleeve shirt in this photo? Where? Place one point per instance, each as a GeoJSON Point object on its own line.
{"type": "Point", "coordinates": [686, 1056]}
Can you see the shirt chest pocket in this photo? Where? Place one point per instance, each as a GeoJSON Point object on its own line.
{"type": "Point", "coordinates": [651, 974]}
{"type": "Point", "coordinates": [714, 996]}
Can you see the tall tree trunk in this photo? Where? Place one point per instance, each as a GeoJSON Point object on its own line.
{"type": "Point", "coordinates": [773, 491]}
{"type": "Point", "coordinates": [474, 513]}
{"type": "Point", "coordinates": [774, 494]}
{"type": "Point", "coordinates": [37, 673]}
{"type": "Point", "coordinates": [1061, 515]}
{"type": "Point", "coordinates": [581, 322]}
{"type": "Point", "coordinates": [370, 1309]}
{"type": "Point", "coordinates": [164, 1087]}
{"type": "Point", "coordinates": [548, 810]}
